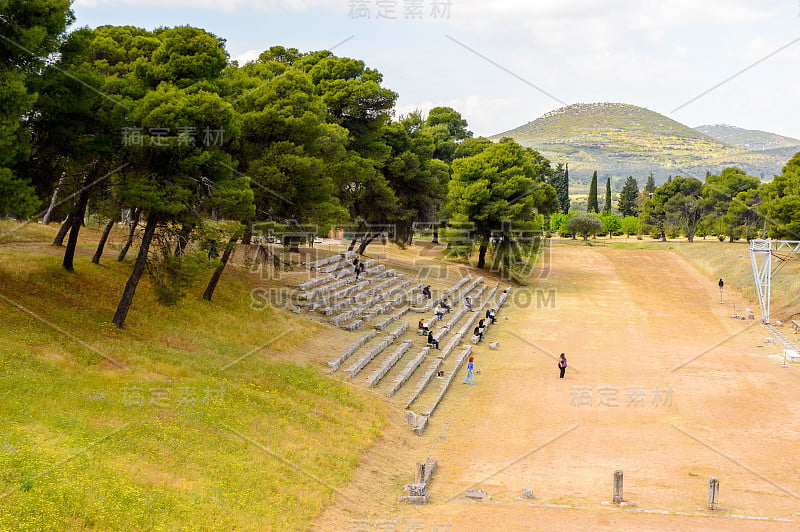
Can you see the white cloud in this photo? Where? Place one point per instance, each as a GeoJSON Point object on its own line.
{"type": "Point", "coordinates": [561, 27]}
{"type": "Point", "coordinates": [247, 56]}
{"type": "Point", "coordinates": [759, 48]}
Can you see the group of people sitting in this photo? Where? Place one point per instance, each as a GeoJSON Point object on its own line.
{"type": "Point", "coordinates": [424, 328]}
{"type": "Point", "coordinates": [442, 307]}
{"type": "Point", "coordinates": [491, 314]}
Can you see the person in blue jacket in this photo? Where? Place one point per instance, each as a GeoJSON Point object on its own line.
{"type": "Point", "coordinates": [470, 367]}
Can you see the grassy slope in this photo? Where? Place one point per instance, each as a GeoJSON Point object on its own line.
{"type": "Point", "coordinates": [172, 440]}
{"type": "Point", "coordinates": [731, 262]}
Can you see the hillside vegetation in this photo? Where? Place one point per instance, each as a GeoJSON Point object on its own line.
{"type": "Point", "coordinates": [748, 139]}
{"type": "Point", "coordinates": [619, 139]}
{"type": "Point", "coordinates": [188, 419]}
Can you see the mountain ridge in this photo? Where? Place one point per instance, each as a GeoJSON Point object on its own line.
{"type": "Point", "coordinates": [749, 139]}
{"type": "Point", "coordinates": [619, 139]}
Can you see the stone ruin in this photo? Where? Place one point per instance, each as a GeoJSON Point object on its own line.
{"type": "Point", "coordinates": [418, 490]}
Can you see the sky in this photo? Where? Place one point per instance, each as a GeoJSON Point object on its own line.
{"type": "Point", "coordinates": [503, 63]}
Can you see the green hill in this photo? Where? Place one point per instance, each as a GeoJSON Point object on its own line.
{"type": "Point", "coordinates": [618, 139]}
{"type": "Point", "coordinates": [748, 139]}
{"type": "Point", "coordinates": [192, 418]}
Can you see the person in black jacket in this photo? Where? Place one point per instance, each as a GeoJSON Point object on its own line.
{"type": "Point", "coordinates": [433, 341]}
{"type": "Point", "coordinates": [562, 364]}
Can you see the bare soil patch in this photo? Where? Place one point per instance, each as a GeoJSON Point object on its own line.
{"type": "Point", "coordinates": [662, 384]}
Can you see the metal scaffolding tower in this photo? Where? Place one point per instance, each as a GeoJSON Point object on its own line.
{"type": "Point", "coordinates": [762, 255]}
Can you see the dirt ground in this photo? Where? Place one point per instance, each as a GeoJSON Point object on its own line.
{"type": "Point", "coordinates": [663, 384]}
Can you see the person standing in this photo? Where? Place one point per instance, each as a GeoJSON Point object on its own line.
{"type": "Point", "coordinates": [562, 365]}
{"type": "Point", "coordinates": [721, 284]}
{"type": "Point", "coordinates": [470, 367]}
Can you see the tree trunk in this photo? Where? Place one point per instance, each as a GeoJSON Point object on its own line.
{"type": "Point", "coordinates": [133, 224]}
{"type": "Point", "coordinates": [482, 254]}
{"type": "Point", "coordinates": [212, 284]}
{"type": "Point", "coordinates": [136, 274]}
{"type": "Point", "coordinates": [53, 201]}
{"type": "Point", "coordinates": [663, 236]}
{"type": "Point", "coordinates": [366, 241]}
{"type": "Point", "coordinates": [359, 234]}
{"type": "Point", "coordinates": [103, 238]}
{"type": "Point", "coordinates": [183, 238]}
{"type": "Point", "coordinates": [247, 236]}
{"type": "Point", "coordinates": [78, 215]}
{"type": "Point", "coordinates": [435, 234]}
{"type": "Point", "coordinates": [62, 231]}
{"type": "Point", "coordinates": [403, 233]}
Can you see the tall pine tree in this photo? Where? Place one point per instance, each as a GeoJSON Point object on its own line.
{"type": "Point", "coordinates": [608, 195]}
{"type": "Point", "coordinates": [592, 205]}
{"type": "Point", "coordinates": [650, 187]}
{"type": "Point", "coordinates": [627, 204]}
{"type": "Point", "coordinates": [560, 182]}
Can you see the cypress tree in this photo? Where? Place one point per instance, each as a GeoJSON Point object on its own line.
{"type": "Point", "coordinates": [592, 205]}
{"type": "Point", "coordinates": [608, 195]}
{"type": "Point", "coordinates": [560, 182]}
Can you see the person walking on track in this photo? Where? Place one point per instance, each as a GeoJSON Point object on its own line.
{"type": "Point", "coordinates": [470, 367]}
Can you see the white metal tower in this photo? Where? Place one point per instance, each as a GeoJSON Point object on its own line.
{"type": "Point", "coordinates": [762, 255]}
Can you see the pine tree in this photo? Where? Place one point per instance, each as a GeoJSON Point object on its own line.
{"type": "Point", "coordinates": [560, 182]}
{"type": "Point", "coordinates": [650, 187]}
{"type": "Point", "coordinates": [592, 205]}
{"type": "Point", "coordinates": [608, 196]}
{"type": "Point", "coordinates": [628, 198]}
